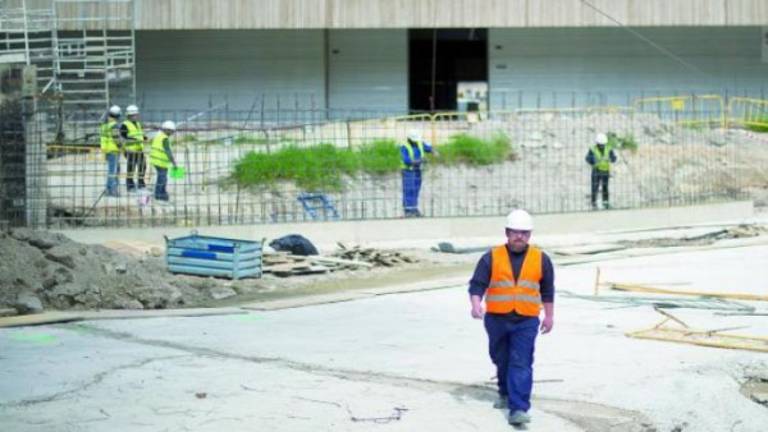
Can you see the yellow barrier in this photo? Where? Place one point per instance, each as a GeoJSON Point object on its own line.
{"type": "Point", "coordinates": [748, 112]}
{"type": "Point", "coordinates": [692, 110]}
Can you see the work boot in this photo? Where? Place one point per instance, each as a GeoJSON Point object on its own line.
{"type": "Point", "coordinates": [518, 418]}
{"type": "Point", "coordinates": [606, 205]}
{"type": "Point", "coordinates": [500, 402]}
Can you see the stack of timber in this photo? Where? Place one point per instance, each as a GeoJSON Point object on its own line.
{"type": "Point", "coordinates": [283, 264]}
{"type": "Point", "coordinates": [378, 258]}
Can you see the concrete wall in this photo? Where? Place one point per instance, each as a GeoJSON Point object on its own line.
{"type": "Point", "coordinates": [368, 69]}
{"type": "Point", "coordinates": [181, 70]}
{"type": "Point", "coordinates": [615, 65]}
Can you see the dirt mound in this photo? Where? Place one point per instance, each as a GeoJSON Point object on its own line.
{"type": "Point", "coordinates": [41, 270]}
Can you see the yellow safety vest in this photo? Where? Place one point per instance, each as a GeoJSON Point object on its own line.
{"type": "Point", "coordinates": [157, 156]}
{"type": "Point", "coordinates": [602, 161]}
{"type": "Point", "coordinates": [135, 141]}
{"type": "Point", "coordinates": [108, 143]}
{"type": "Point", "coordinates": [411, 154]}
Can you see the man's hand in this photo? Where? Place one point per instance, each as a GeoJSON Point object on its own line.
{"type": "Point", "coordinates": [546, 324]}
{"type": "Point", "coordinates": [477, 311]}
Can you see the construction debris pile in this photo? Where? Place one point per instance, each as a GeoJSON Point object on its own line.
{"type": "Point", "coordinates": [42, 270]}
{"type": "Point", "coordinates": [285, 264]}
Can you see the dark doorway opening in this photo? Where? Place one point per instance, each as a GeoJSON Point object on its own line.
{"type": "Point", "coordinates": [441, 58]}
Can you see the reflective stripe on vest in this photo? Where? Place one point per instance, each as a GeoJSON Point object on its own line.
{"type": "Point", "coordinates": [602, 161]}
{"type": "Point", "coordinates": [107, 141]}
{"type": "Point", "coordinates": [157, 156]}
{"type": "Point", "coordinates": [504, 294]}
{"type": "Point", "coordinates": [411, 155]}
{"type": "Point", "coordinates": [135, 141]}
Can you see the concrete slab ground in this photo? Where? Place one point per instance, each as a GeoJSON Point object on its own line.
{"type": "Point", "coordinates": [401, 362]}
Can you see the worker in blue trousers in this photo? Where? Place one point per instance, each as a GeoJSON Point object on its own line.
{"type": "Point", "coordinates": [412, 158]}
{"type": "Point", "coordinates": [516, 280]}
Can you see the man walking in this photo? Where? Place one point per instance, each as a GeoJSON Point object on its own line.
{"type": "Point", "coordinates": [161, 157]}
{"type": "Point", "coordinates": [109, 139]}
{"type": "Point", "coordinates": [600, 156]}
{"type": "Point", "coordinates": [133, 139]}
{"type": "Point", "coordinates": [516, 279]}
{"type": "Point", "coordinates": [412, 156]}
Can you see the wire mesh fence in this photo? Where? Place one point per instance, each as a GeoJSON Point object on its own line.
{"type": "Point", "coordinates": [675, 151]}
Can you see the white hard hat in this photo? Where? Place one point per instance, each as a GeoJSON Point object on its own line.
{"type": "Point", "coordinates": [131, 110]}
{"type": "Point", "coordinates": [168, 125]}
{"type": "Point", "coordinates": [114, 110]}
{"type": "Point", "coordinates": [414, 135]}
{"type": "Point", "coordinates": [519, 220]}
{"type": "Point", "coordinates": [601, 138]}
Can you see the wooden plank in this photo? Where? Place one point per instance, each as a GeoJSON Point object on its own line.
{"type": "Point", "coordinates": [704, 338]}
{"type": "Point", "coordinates": [654, 290]}
{"type": "Point", "coordinates": [38, 319]}
{"type": "Point", "coordinates": [324, 260]}
{"type": "Point", "coordinates": [8, 312]}
{"type": "Point", "coordinates": [295, 302]}
{"type": "Point", "coordinates": [347, 14]}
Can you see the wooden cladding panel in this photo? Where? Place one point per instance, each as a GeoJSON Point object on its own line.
{"type": "Point", "coordinates": [339, 14]}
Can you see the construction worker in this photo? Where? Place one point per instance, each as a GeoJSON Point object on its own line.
{"type": "Point", "coordinates": [109, 137]}
{"type": "Point", "coordinates": [600, 156]}
{"type": "Point", "coordinates": [515, 279]}
{"type": "Point", "coordinates": [412, 156]}
{"type": "Point", "coordinates": [161, 157]}
{"type": "Point", "coordinates": [133, 143]}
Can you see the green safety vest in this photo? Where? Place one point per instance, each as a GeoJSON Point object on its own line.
{"type": "Point", "coordinates": [602, 161]}
{"type": "Point", "coordinates": [157, 156]}
{"type": "Point", "coordinates": [411, 155]}
{"type": "Point", "coordinates": [108, 143]}
{"type": "Point", "coordinates": [135, 141]}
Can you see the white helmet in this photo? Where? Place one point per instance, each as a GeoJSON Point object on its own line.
{"type": "Point", "coordinates": [114, 111]}
{"type": "Point", "coordinates": [414, 135]}
{"type": "Point", "coordinates": [168, 125]}
{"type": "Point", "coordinates": [131, 110]}
{"type": "Point", "coordinates": [519, 220]}
{"type": "Point", "coordinates": [601, 138]}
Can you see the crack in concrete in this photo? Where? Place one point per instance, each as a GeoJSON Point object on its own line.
{"type": "Point", "coordinates": [98, 378]}
{"type": "Point", "coordinates": [577, 412]}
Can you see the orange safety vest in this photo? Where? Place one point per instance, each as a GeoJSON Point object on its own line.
{"type": "Point", "coordinates": [504, 293]}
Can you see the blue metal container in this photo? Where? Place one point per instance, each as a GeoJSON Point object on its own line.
{"type": "Point", "coordinates": [213, 256]}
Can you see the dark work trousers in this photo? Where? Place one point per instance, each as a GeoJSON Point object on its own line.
{"type": "Point", "coordinates": [600, 178]}
{"type": "Point", "coordinates": [136, 162]}
{"type": "Point", "coordinates": [511, 344]}
{"type": "Point", "coordinates": [411, 188]}
{"type": "Point", "coordinates": [161, 193]}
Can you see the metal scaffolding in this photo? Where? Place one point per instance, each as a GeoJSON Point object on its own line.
{"type": "Point", "coordinates": [84, 54]}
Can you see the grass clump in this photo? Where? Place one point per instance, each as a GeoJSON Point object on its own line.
{"type": "Point", "coordinates": [470, 150]}
{"type": "Point", "coordinates": [379, 157]}
{"type": "Point", "coordinates": [318, 168]}
{"type": "Point", "coordinates": [322, 168]}
{"type": "Point", "coordinates": [758, 125]}
{"type": "Point", "coordinates": [622, 142]}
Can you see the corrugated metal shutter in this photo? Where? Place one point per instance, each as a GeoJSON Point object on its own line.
{"type": "Point", "coordinates": [609, 65]}
{"type": "Point", "coordinates": [184, 69]}
{"type": "Point", "coordinates": [368, 69]}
